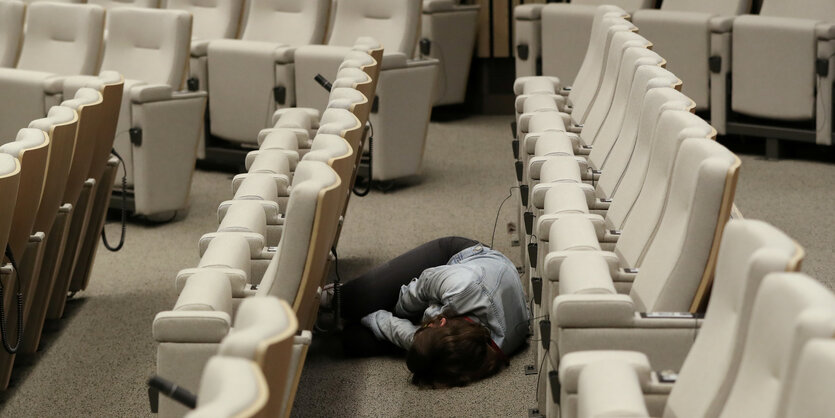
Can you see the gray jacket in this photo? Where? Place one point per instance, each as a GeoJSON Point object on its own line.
{"type": "Point", "coordinates": [478, 282]}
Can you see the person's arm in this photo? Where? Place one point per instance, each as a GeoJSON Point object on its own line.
{"type": "Point", "coordinates": [386, 326]}
{"type": "Point", "coordinates": [444, 286]}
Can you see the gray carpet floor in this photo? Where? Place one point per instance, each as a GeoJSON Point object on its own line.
{"type": "Point", "coordinates": [95, 361]}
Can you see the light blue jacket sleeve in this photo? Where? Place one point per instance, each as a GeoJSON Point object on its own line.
{"type": "Point", "coordinates": [436, 287]}
{"type": "Point", "coordinates": [386, 326]}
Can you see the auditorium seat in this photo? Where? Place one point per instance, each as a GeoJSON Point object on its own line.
{"type": "Point", "coordinates": [11, 31]}
{"type": "Point", "coordinates": [672, 273]}
{"type": "Point", "coordinates": [212, 20]}
{"type": "Point", "coordinates": [691, 35]}
{"type": "Point", "coordinates": [9, 183]}
{"type": "Point", "coordinates": [49, 52]}
{"type": "Point", "coordinates": [231, 387]}
{"type": "Point", "coordinates": [450, 27]}
{"type": "Point", "coordinates": [87, 104]}
{"type": "Point", "coordinates": [85, 230]}
{"type": "Point", "coordinates": [802, 34]}
{"type": "Point", "coordinates": [750, 251]}
{"type": "Point", "coordinates": [159, 124]}
{"type": "Point", "coordinates": [790, 311]}
{"type": "Point", "coordinates": [248, 76]}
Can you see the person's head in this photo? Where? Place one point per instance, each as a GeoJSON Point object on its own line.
{"type": "Point", "coordinates": [451, 351]}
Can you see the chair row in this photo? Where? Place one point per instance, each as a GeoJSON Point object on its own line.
{"type": "Point", "coordinates": [724, 55]}
{"type": "Point", "coordinates": [276, 234]}
{"type": "Point", "coordinates": [625, 198]}
{"type": "Point", "coordinates": [56, 182]}
{"type": "Point", "coordinates": [159, 125]}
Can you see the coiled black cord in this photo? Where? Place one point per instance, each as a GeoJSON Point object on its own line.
{"type": "Point", "coordinates": [337, 291]}
{"type": "Point", "coordinates": [3, 331]}
{"type": "Point", "coordinates": [364, 192]}
{"type": "Point", "coordinates": [124, 208]}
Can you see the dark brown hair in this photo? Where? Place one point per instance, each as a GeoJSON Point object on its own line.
{"type": "Point", "coordinates": [453, 355]}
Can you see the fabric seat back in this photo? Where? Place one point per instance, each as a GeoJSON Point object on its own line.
{"type": "Point", "coordinates": [231, 387]}
{"type": "Point", "coordinates": [286, 22]}
{"type": "Point", "coordinates": [790, 310]}
{"type": "Point", "coordinates": [394, 23]}
{"type": "Point", "coordinates": [806, 395]}
{"type": "Point", "coordinates": [116, 4]}
{"type": "Point", "coordinates": [11, 31]}
{"type": "Point", "coordinates": [749, 251]}
{"type": "Point", "coordinates": [148, 45]}
{"type": "Point", "coordinates": [62, 38]}
{"type": "Point", "coordinates": [213, 19]}
{"type": "Point", "coordinates": [681, 258]}
{"type": "Point", "coordinates": [89, 105]}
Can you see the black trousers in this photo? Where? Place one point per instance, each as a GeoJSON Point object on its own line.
{"type": "Point", "coordinates": [379, 289]}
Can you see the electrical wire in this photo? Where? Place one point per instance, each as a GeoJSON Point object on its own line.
{"type": "Point", "coordinates": [3, 320]}
{"type": "Point", "coordinates": [124, 208]}
{"type": "Point", "coordinates": [496, 223]}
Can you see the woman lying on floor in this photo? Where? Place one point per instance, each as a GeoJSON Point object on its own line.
{"type": "Point", "coordinates": [467, 298]}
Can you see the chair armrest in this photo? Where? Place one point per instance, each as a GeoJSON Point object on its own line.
{"type": "Point", "coordinates": [593, 311]}
{"type": "Point", "coordinates": [545, 222]}
{"type": "Point", "coordinates": [199, 48]}
{"type": "Point", "coordinates": [237, 278]}
{"type": "Point", "coordinates": [536, 84]}
{"type": "Point", "coordinates": [435, 6]}
{"type": "Point", "coordinates": [554, 259]}
{"type": "Point", "coordinates": [284, 54]}
{"type": "Point", "coordinates": [191, 326]}
{"type": "Point", "coordinates": [825, 31]}
{"type": "Point", "coordinates": [572, 365]}
{"type": "Point", "coordinates": [303, 114]}
{"type": "Point", "coordinates": [721, 24]}
{"type": "Point", "coordinates": [586, 273]}
{"type": "Point", "coordinates": [54, 84]}
{"type": "Point", "coordinates": [573, 232]}
{"type": "Point", "coordinates": [147, 93]}
{"type": "Point", "coordinates": [610, 388]}
{"type": "Point", "coordinates": [528, 12]}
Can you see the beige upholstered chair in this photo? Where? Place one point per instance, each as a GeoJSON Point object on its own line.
{"type": "Point", "coordinates": [451, 30]}
{"type": "Point", "coordinates": [212, 20]}
{"type": "Point", "coordinates": [115, 4]}
{"type": "Point", "coordinates": [88, 104]}
{"type": "Point", "coordinates": [231, 387]}
{"type": "Point", "coordinates": [11, 31]}
{"type": "Point", "coordinates": [159, 125]}
{"type": "Point", "coordinates": [690, 35]}
{"type": "Point", "coordinates": [247, 78]}
{"type": "Point", "coordinates": [9, 183]}
{"type": "Point", "coordinates": [49, 53]}
{"type": "Point", "coordinates": [802, 34]}
{"type": "Point", "coordinates": [750, 250]}
{"type": "Point", "coordinates": [805, 395]}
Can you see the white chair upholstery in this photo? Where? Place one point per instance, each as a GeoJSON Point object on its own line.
{"type": "Point", "coordinates": [790, 312]}
{"type": "Point", "coordinates": [9, 183]}
{"type": "Point", "coordinates": [688, 34]}
{"type": "Point", "coordinates": [801, 33]}
{"type": "Point", "coordinates": [115, 4]}
{"type": "Point", "coordinates": [11, 31]}
{"type": "Point", "coordinates": [231, 387]}
{"type": "Point", "coordinates": [451, 29]}
{"type": "Point", "coordinates": [212, 20]}
{"type": "Point", "coordinates": [246, 74]}
{"type": "Point", "coordinates": [806, 395]}
{"type": "Point", "coordinates": [160, 159]}
{"type": "Point", "coordinates": [48, 53]}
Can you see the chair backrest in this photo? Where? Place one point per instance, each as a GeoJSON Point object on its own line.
{"type": "Point", "coordinates": [263, 332]}
{"type": "Point", "coordinates": [31, 148]}
{"type": "Point", "coordinates": [231, 387]}
{"type": "Point", "coordinates": [148, 44]}
{"type": "Point", "coordinates": [289, 22]}
{"type": "Point", "coordinates": [394, 23]}
{"type": "Point", "coordinates": [611, 100]}
{"type": "Point", "coordinates": [111, 85]}
{"type": "Point", "coordinates": [790, 310]}
{"type": "Point", "coordinates": [89, 105]}
{"type": "Point", "coordinates": [809, 395]}
{"type": "Point", "coordinates": [637, 212]}
{"type": "Point", "coordinates": [61, 125]}
{"type": "Point", "coordinates": [342, 123]}
{"type": "Point", "coordinates": [213, 19]}
{"type": "Point", "coordinates": [628, 110]}
{"type": "Point", "coordinates": [682, 256]}
{"type": "Point", "coordinates": [11, 31]}
{"type": "Point", "coordinates": [628, 5]}
{"type": "Point", "coordinates": [803, 9]}
{"type": "Point", "coordinates": [719, 7]}
{"type": "Point", "coordinates": [750, 250]}
{"type": "Point", "coordinates": [626, 166]}
{"type": "Point", "coordinates": [117, 4]}
{"type": "Point", "coordinates": [62, 38]}
{"type": "Point", "coordinates": [9, 183]}
{"type": "Point", "coordinates": [586, 93]}
{"type": "Point", "coordinates": [298, 267]}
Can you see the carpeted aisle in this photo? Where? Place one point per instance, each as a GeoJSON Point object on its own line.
{"type": "Point", "coordinates": [95, 361]}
